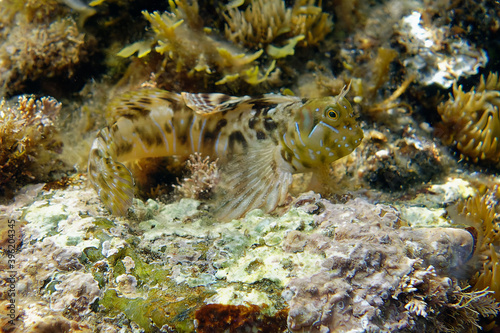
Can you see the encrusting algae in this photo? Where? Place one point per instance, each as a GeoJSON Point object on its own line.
{"type": "Point", "coordinates": [259, 141]}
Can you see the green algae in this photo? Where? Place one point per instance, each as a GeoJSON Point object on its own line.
{"type": "Point", "coordinates": [91, 254]}
{"type": "Point", "coordinates": [169, 220]}
{"type": "Point", "coordinates": [427, 210]}
{"type": "Point", "coordinates": [170, 237]}
{"type": "Point", "coordinates": [161, 307]}
{"type": "Point", "coordinates": [147, 273]}
{"type": "Point", "coordinates": [257, 232]}
{"type": "Point", "coordinates": [58, 218]}
{"type": "Point", "coordinates": [104, 223]}
{"type": "Point", "coordinates": [72, 241]}
{"type": "Point", "coordinates": [264, 236]}
{"type": "Point", "coordinates": [162, 301]}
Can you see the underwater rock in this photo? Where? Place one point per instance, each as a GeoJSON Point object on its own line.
{"type": "Point", "coordinates": [366, 256]}
{"type": "Point", "coordinates": [434, 56]}
{"type": "Point", "coordinates": [58, 324]}
{"type": "Point", "coordinates": [402, 164]}
{"type": "Point", "coordinates": [127, 284]}
{"type": "Point", "coordinates": [318, 267]}
{"type": "Point", "coordinates": [74, 293]}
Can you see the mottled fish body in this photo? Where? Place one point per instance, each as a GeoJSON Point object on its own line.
{"type": "Point", "coordinates": [260, 142]}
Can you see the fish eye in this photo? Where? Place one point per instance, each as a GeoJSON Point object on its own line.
{"type": "Point", "coordinates": [332, 114]}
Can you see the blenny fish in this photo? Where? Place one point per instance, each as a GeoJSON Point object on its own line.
{"type": "Point", "coordinates": [259, 141]}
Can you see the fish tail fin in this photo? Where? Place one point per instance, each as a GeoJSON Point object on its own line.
{"type": "Point", "coordinates": [112, 181]}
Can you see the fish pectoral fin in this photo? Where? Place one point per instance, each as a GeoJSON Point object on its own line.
{"type": "Point", "coordinates": [259, 178]}
{"type": "Point", "coordinates": [205, 104]}
{"type": "Point", "coordinates": [114, 184]}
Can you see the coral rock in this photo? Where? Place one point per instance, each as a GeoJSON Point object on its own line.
{"type": "Point", "coordinates": [365, 261]}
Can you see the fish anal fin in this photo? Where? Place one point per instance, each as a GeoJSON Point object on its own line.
{"type": "Point", "coordinates": [259, 178]}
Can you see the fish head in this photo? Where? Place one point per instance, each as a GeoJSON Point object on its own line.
{"type": "Point", "coordinates": [324, 130]}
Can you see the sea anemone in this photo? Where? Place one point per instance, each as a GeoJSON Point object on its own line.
{"type": "Point", "coordinates": [480, 216]}
{"type": "Point", "coordinates": [471, 120]}
{"type": "Point", "coordinates": [310, 20]}
{"type": "Point", "coordinates": [260, 23]}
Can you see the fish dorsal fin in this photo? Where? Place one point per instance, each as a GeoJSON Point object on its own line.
{"type": "Point", "coordinates": [258, 178]}
{"type": "Point", "coordinates": [205, 104]}
{"type": "Point", "coordinates": [138, 103]}
{"type": "Point", "coordinates": [277, 99]}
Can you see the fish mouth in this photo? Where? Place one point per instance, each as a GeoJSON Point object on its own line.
{"type": "Point", "coordinates": [355, 142]}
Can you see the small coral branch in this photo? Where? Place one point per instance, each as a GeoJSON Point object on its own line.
{"type": "Point", "coordinates": [202, 179]}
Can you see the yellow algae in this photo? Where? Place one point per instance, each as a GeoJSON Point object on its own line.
{"type": "Point", "coordinates": [288, 49]}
